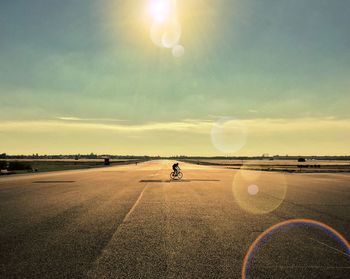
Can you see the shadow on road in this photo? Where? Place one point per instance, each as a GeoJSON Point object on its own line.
{"type": "Point", "coordinates": [55, 181]}
{"type": "Point", "coordinates": [182, 180]}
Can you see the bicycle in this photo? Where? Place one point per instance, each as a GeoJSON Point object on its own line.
{"type": "Point", "coordinates": [176, 176]}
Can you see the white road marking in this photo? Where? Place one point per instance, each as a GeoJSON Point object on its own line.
{"type": "Point", "coordinates": [308, 266]}
{"type": "Point", "coordinates": [132, 208]}
{"type": "Point", "coordinates": [330, 247]}
{"type": "Point", "coordinates": [92, 272]}
{"type": "Point", "coordinates": [105, 251]}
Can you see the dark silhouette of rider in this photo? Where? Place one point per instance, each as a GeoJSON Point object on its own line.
{"type": "Point", "coordinates": [176, 168]}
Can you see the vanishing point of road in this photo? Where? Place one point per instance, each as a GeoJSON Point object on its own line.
{"type": "Point", "coordinates": [133, 222]}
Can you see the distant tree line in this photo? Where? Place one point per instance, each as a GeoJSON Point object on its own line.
{"type": "Point", "coordinates": [276, 157]}
{"type": "Point", "coordinates": [177, 157]}
{"type": "Point", "coordinates": [75, 156]}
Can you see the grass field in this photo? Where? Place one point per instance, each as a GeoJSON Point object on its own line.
{"type": "Point", "coordinates": [280, 165]}
{"type": "Point", "coordinates": [45, 165]}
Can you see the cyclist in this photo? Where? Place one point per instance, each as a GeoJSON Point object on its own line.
{"type": "Point", "coordinates": [176, 168]}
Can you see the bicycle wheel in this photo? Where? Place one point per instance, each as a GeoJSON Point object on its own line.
{"type": "Point", "coordinates": [172, 175]}
{"type": "Point", "coordinates": [179, 175]}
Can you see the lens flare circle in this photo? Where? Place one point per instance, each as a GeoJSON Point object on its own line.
{"type": "Point", "coordinates": [255, 193]}
{"type": "Point", "coordinates": [178, 51]}
{"type": "Point", "coordinates": [165, 34]}
{"type": "Point", "coordinates": [290, 223]}
{"type": "Point", "coordinates": [171, 38]}
{"type": "Point", "coordinates": [156, 33]}
{"type": "Point", "coordinates": [253, 190]}
{"type": "Point", "coordinates": [171, 35]}
{"type": "Point", "coordinates": [228, 135]}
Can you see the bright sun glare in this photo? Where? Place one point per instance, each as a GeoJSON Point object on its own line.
{"type": "Point", "coordinates": [160, 10]}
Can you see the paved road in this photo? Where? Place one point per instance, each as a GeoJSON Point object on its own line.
{"type": "Point", "coordinates": [132, 222]}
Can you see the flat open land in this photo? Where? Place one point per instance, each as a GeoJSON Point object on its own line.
{"type": "Point", "coordinates": [133, 222]}
{"type": "Point", "coordinates": [314, 166]}
{"type": "Point", "coordinates": [46, 165]}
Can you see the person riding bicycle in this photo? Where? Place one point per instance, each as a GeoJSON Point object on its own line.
{"type": "Point", "coordinates": [176, 168]}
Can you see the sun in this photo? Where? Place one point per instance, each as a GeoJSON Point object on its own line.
{"type": "Point", "coordinates": [160, 10]}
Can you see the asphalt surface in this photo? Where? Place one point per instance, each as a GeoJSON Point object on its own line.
{"type": "Point", "coordinates": [133, 222]}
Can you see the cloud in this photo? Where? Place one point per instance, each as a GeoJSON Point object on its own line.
{"type": "Point", "coordinates": [253, 111]}
{"type": "Point", "coordinates": [73, 123]}
{"type": "Point", "coordinates": [191, 126]}
{"type": "Point", "coordinates": [72, 118]}
{"type": "Point", "coordinates": [306, 124]}
{"type": "Point", "coordinates": [311, 136]}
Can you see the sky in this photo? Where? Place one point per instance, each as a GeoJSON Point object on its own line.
{"type": "Point", "coordinates": [81, 76]}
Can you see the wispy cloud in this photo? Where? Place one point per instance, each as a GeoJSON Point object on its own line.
{"type": "Point", "coordinates": [254, 126]}
{"type": "Point", "coordinates": [73, 118]}
{"type": "Point", "coordinates": [69, 118]}
{"type": "Point", "coordinates": [275, 136]}
{"type": "Point", "coordinates": [253, 111]}
{"type": "Point", "coordinates": [49, 125]}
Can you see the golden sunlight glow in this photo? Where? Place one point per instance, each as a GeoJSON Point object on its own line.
{"type": "Point", "coordinates": [160, 10]}
{"type": "Point", "coordinates": [177, 26]}
{"type": "Point", "coordinates": [165, 30]}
